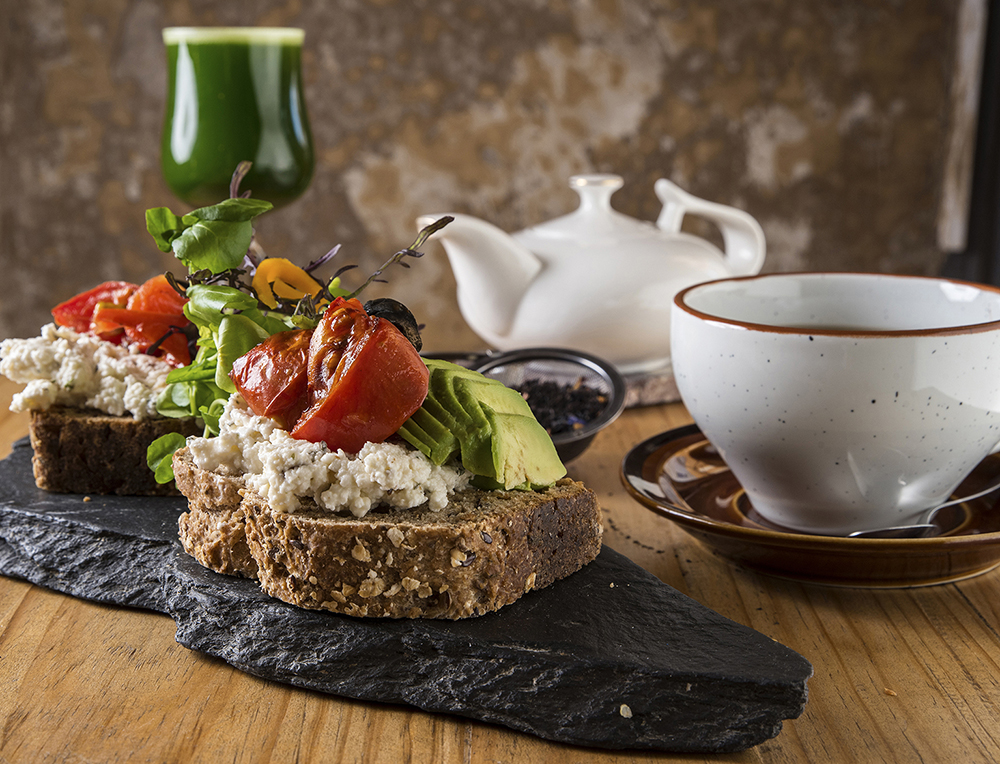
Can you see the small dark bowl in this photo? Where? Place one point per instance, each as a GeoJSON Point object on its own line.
{"type": "Point", "coordinates": [514, 367]}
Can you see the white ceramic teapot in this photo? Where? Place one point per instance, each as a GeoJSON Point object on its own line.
{"type": "Point", "coordinates": [593, 280]}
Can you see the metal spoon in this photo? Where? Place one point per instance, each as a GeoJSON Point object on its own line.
{"type": "Point", "coordinates": [923, 526]}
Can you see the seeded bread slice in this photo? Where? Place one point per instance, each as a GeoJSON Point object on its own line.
{"type": "Point", "coordinates": [481, 552]}
{"type": "Point", "coordinates": [87, 451]}
{"type": "Point", "coordinates": [213, 530]}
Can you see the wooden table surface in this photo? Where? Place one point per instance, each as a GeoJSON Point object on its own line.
{"type": "Point", "coordinates": [900, 675]}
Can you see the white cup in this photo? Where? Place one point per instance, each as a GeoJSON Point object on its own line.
{"type": "Point", "coordinates": [842, 402]}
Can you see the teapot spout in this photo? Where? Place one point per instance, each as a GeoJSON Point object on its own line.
{"type": "Point", "coordinates": [493, 272]}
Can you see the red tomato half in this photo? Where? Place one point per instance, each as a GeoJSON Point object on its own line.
{"type": "Point", "coordinates": [77, 312]}
{"type": "Point", "coordinates": [272, 377]}
{"type": "Point", "coordinates": [343, 321]}
{"type": "Point", "coordinates": [365, 379]}
{"type": "Point", "coordinates": [355, 379]}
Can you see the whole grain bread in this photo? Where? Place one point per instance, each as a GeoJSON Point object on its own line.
{"type": "Point", "coordinates": [213, 530]}
{"type": "Point", "coordinates": [481, 552]}
{"type": "Point", "coordinates": [87, 451]}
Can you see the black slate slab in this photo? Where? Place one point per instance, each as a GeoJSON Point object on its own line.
{"type": "Point", "coordinates": [633, 665]}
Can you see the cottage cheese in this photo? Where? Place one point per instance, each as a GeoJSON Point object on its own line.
{"type": "Point", "coordinates": [284, 470]}
{"type": "Point", "coordinates": [63, 367]}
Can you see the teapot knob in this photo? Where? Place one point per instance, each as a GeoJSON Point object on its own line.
{"type": "Point", "coordinates": [595, 190]}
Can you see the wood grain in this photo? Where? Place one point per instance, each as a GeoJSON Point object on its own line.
{"type": "Point", "coordinates": [900, 675]}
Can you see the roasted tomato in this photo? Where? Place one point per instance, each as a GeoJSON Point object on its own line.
{"type": "Point", "coordinates": [365, 379]}
{"type": "Point", "coordinates": [161, 333]}
{"type": "Point", "coordinates": [149, 316]}
{"type": "Point", "coordinates": [157, 296]}
{"type": "Point", "coordinates": [77, 313]}
{"type": "Point", "coordinates": [153, 317]}
{"type": "Point", "coordinates": [272, 377]}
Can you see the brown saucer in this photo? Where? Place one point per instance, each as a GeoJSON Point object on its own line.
{"type": "Point", "coordinates": [679, 474]}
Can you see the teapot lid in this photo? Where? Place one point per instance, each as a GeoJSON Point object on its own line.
{"type": "Point", "coordinates": [594, 220]}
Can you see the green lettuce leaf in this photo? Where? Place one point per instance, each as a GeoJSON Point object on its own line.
{"type": "Point", "coordinates": [208, 303]}
{"type": "Point", "coordinates": [160, 455]}
{"type": "Point", "coordinates": [216, 245]}
{"type": "Point", "coordinates": [232, 210]}
{"type": "Point", "coordinates": [237, 335]}
{"type": "Point", "coordinates": [212, 413]}
{"type": "Point", "coordinates": [164, 226]}
{"type": "Point", "coordinates": [196, 372]}
{"type": "Point", "coordinates": [214, 238]}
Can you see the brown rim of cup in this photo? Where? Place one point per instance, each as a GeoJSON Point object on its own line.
{"type": "Point", "coordinates": [819, 331]}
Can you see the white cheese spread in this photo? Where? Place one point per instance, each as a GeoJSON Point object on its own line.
{"type": "Point", "coordinates": [65, 368]}
{"type": "Point", "coordinates": [284, 470]}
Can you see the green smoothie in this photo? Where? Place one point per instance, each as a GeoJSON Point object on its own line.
{"type": "Point", "coordinates": [234, 94]}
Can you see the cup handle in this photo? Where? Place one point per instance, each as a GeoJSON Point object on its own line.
{"type": "Point", "coordinates": [741, 233]}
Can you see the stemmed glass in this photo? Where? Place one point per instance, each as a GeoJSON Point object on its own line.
{"type": "Point", "coordinates": [234, 94]}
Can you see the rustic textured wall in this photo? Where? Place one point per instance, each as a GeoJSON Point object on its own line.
{"type": "Point", "coordinates": [830, 121]}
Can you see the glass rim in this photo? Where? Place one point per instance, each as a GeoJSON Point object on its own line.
{"type": "Point", "coordinates": [284, 35]}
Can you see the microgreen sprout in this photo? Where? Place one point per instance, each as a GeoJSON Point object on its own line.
{"type": "Point", "coordinates": [411, 251]}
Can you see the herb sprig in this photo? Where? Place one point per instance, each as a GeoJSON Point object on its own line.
{"type": "Point", "coordinates": [410, 251]}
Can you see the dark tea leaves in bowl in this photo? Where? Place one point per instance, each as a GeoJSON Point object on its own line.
{"type": "Point", "coordinates": [562, 407]}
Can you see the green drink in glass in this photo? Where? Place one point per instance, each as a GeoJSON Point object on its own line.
{"type": "Point", "coordinates": [235, 94]}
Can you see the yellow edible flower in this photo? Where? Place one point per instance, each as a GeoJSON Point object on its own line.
{"type": "Point", "coordinates": [281, 277]}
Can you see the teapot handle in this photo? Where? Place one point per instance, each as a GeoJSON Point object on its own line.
{"type": "Point", "coordinates": [742, 234]}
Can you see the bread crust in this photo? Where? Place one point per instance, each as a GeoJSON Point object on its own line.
{"type": "Point", "coordinates": [481, 552]}
{"type": "Point", "coordinates": [87, 451]}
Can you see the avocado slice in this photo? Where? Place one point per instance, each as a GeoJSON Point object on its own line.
{"type": "Point", "coordinates": [433, 438]}
{"type": "Point", "coordinates": [507, 417]}
{"type": "Point", "coordinates": [477, 448]}
{"type": "Point", "coordinates": [500, 397]}
{"type": "Point", "coordinates": [471, 437]}
{"type": "Point", "coordinates": [441, 389]}
{"type": "Point", "coordinates": [491, 425]}
{"type": "Point", "coordinates": [475, 457]}
{"type": "Point", "coordinates": [417, 437]}
{"type": "Point", "coordinates": [427, 432]}
{"type": "Point", "coordinates": [524, 450]}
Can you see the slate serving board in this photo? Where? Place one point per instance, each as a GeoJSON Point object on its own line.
{"type": "Point", "coordinates": [636, 665]}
